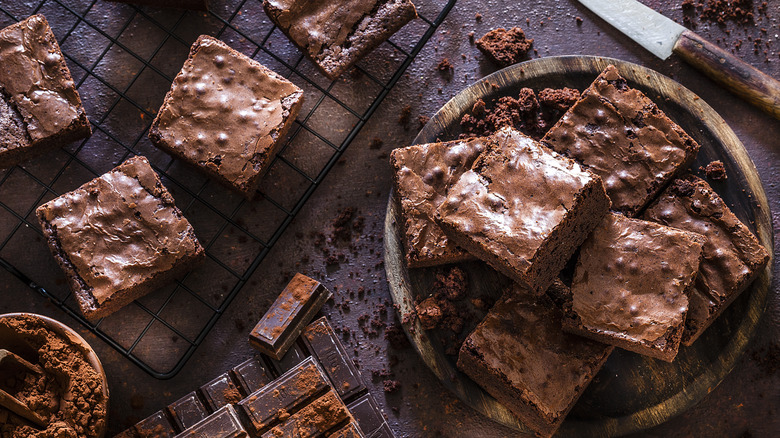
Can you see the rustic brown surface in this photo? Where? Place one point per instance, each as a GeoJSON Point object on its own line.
{"type": "Point", "coordinates": [748, 399]}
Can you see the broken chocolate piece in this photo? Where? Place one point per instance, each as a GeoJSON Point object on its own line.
{"type": "Point", "coordinates": [283, 322]}
{"type": "Point", "coordinates": [223, 423]}
{"type": "Point", "coordinates": [351, 430]}
{"type": "Point", "coordinates": [187, 411]}
{"type": "Point", "coordinates": [367, 414]}
{"type": "Point", "coordinates": [323, 343]}
{"type": "Point", "coordinates": [156, 425]}
{"type": "Point", "coordinates": [291, 390]}
{"type": "Point", "coordinates": [220, 392]}
{"type": "Point", "coordinates": [316, 419]}
{"type": "Point", "coordinates": [251, 376]}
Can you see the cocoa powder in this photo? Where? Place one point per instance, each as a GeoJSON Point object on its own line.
{"type": "Point", "coordinates": [68, 394]}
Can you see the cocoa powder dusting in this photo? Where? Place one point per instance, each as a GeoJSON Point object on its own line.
{"type": "Point", "coordinates": [68, 394]}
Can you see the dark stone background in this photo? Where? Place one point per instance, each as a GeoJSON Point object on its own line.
{"type": "Point", "coordinates": [744, 404]}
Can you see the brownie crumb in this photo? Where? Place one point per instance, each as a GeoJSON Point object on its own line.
{"type": "Point", "coordinates": [452, 284]}
{"type": "Point", "coordinates": [578, 19]}
{"type": "Point", "coordinates": [429, 313]}
{"type": "Point", "coordinates": [721, 11]}
{"type": "Point", "coordinates": [395, 335]}
{"type": "Point", "coordinates": [529, 114]}
{"type": "Point", "coordinates": [423, 120]}
{"type": "Point", "coordinates": [478, 16]}
{"type": "Point", "coordinates": [471, 37]}
{"type": "Point", "coordinates": [341, 225]}
{"type": "Point", "coordinates": [391, 386]}
{"type": "Point", "coordinates": [376, 143]}
{"type": "Point", "coordinates": [716, 171]}
{"type": "Point", "coordinates": [406, 113]}
{"type": "Point", "coordinates": [505, 47]}
{"type": "Point", "coordinates": [445, 68]}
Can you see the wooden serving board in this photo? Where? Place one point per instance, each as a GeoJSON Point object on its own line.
{"type": "Point", "coordinates": [631, 392]}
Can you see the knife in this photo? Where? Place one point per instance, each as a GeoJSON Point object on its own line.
{"type": "Point", "coordinates": [662, 37]}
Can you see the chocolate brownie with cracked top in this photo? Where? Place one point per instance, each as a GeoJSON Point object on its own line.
{"type": "Point", "coordinates": [226, 115]}
{"type": "Point", "coordinates": [422, 174]}
{"type": "Point", "coordinates": [335, 34]}
{"type": "Point", "coordinates": [523, 208]}
{"type": "Point", "coordinates": [118, 237]}
{"type": "Point", "coordinates": [40, 108]}
{"type": "Point", "coordinates": [521, 356]}
{"type": "Point", "coordinates": [620, 134]}
{"type": "Point", "coordinates": [732, 258]}
{"type": "Point", "coordinates": [631, 285]}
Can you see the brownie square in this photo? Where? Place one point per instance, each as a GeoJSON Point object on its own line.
{"type": "Point", "coordinates": [118, 237]}
{"type": "Point", "coordinates": [226, 115]}
{"type": "Point", "coordinates": [631, 285]}
{"type": "Point", "coordinates": [732, 258]}
{"type": "Point", "coordinates": [335, 34]}
{"type": "Point", "coordinates": [200, 5]}
{"type": "Point", "coordinates": [621, 135]}
{"type": "Point", "coordinates": [422, 174]}
{"type": "Point", "coordinates": [523, 209]}
{"type": "Point", "coordinates": [40, 108]}
{"type": "Point", "coordinates": [521, 356]}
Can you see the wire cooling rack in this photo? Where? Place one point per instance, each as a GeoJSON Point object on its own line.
{"type": "Point", "coordinates": [123, 59]}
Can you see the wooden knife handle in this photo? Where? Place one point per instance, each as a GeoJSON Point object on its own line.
{"type": "Point", "coordinates": [738, 76]}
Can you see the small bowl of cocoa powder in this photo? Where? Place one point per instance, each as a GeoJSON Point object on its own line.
{"type": "Point", "coordinates": [68, 387]}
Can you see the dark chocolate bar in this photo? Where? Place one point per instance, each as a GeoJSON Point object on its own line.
{"type": "Point", "coordinates": [220, 392]}
{"type": "Point", "coordinates": [383, 432]}
{"type": "Point", "coordinates": [367, 413]}
{"type": "Point", "coordinates": [293, 309]}
{"type": "Point", "coordinates": [293, 357]}
{"type": "Point", "coordinates": [314, 420]}
{"type": "Point", "coordinates": [251, 376]}
{"type": "Point", "coordinates": [291, 390]}
{"type": "Point", "coordinates": [323, 343]}
{"type": "Point", "coordinates": [351, 430]}
{"type": "Point", "coordinates": [156, 425]}
{"type": "Point", "coordinates": [187, 411]}
{"type": "Point", "coordinates": [223, 423]}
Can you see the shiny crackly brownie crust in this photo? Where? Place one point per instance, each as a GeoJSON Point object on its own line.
{"type": "Point", "coordinates": [523, 209]}
{"type": "Point", "coordinates": [422, 174]}
{"type": "Point", "coordinates": [732, 256]}
{"type": "Point", "coordinates": [40, 109]}
{"type": "Point", "coordinates": [521, 356]}
{"type": "Point", "coordinates": [336, 34]}
{"type": "Point", "coordinates": [210, 119]}
{"type": "Point", "coordinates": [631, 285]}
{"type": "Point", "coordinates": [118, 237]}
{"type": "Point", "coordinates": [620, 134]}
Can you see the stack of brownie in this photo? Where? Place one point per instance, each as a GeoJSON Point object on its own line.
{"type": "Point", "coordinates": [526, 208]}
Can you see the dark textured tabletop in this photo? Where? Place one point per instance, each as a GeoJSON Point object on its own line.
{"type": "Point", "coordinates": [745, 404]}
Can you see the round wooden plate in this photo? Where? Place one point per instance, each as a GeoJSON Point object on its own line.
{"type": "Point", "coordinates": [631, 392]}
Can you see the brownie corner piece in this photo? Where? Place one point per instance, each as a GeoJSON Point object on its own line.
{"type": "Point", "coordinates": [49, 114]}
{"type": "Point", "coordinates": [226, 115]}
{"type": "Point", "coordinates": [318, 27]}
{"type": "Point", "coordinates": [733, 256]}
{"type": "Point", "coordinates": [521, 356]}
{"type": "Point", "coordinates": [631, 285]}
{"type": "Point", "coordinates": [621, 134]}
{"type": "Point", "coordinates": [523, 209]}
{"type": "Point", "coordinates": [422, 174]}
{"type": "Point", "coordinates": [118, 237]}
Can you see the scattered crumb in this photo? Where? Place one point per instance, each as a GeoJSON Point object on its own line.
{"type": "Point", "coordinates": [505, 47]}
{"type": "Point", "coordinates": [406, 113]}
{"type": "Point", "coordinates": [716, 171]}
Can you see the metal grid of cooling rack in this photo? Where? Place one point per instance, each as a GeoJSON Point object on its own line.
{"type": "Point", "coordinates": [123, 59]}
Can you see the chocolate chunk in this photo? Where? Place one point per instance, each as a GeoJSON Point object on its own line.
{"type": "Point", "coordinates": [156, 425]}
{"type": "Point", "coordinates": [291, 390]}
{"type": "Point", "coordinates": [323, 343]}
{"type": "Point", "coordinates": [367, 414]}
{"type": "Point", "coordinates": [220, 392]}
{"type": "Point", "coordinates": [293, 309]}
{"type": "Point", "coordinates": [187, 411]}
{"type": "Point", "coordinates": [223, 423]}
{"type": "Point", "coordinates": [251, 376]}
{"type": "Point", "coordinates": [318, 418]}
{"type": "Point", "coordinates": [293, 357]}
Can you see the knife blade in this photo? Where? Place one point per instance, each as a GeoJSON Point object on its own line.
{"type": "Point", "coordinates": [663, 37]}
